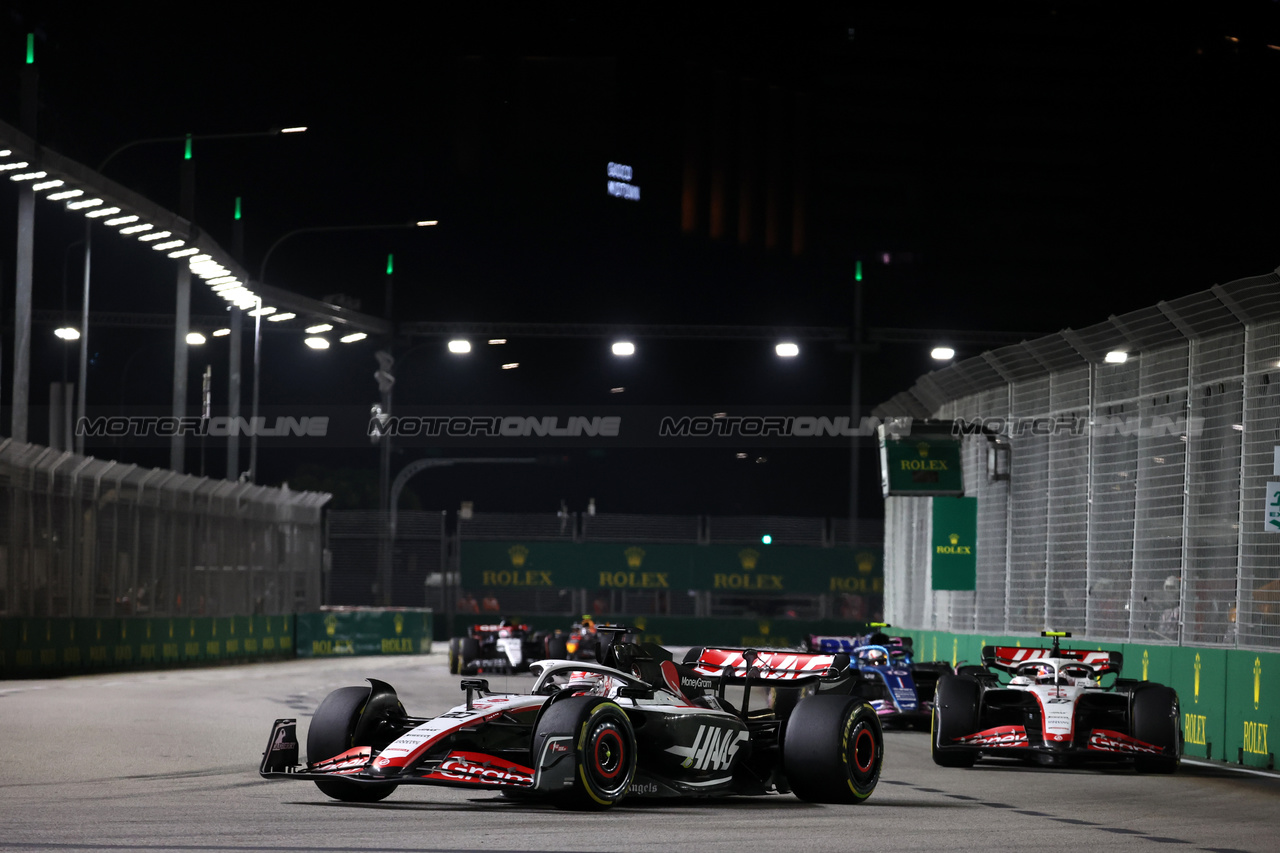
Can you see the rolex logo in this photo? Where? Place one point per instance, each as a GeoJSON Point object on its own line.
{"type": "Point", "coordinates": [399, 620]}
{"type": "Point", "coordinates": [923, 448]}
{"type": "Point", "coordinates": [330, 624]}
{"type": "Point", "coordinates": [635, 556]}
{"type": "Point", "coordinates": [866, 562]}
{"type": "Point", "coordinates": [748, 557]}
{"type": "Point", "coordinates": [1257, 682]}
{"type": "Point", "coordinates": [955, 538]}
{"type": "Point", "coordinates": [518, 554]}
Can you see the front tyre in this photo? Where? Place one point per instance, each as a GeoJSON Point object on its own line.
{"type": "Point", "coordinates": [604, 750]}
{"type": "Point", "coordinates": [832, 749]}
{"type": "Point", "coordinates": [1156, 721]}
{"type": "Point", "coordinates": [955, 714]}
{"type": "Point", "coordinates": [332, 732]}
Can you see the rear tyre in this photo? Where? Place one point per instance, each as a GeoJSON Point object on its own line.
{"type": "Point", "coordinates": [455, 657]}
{"type": "Point", "coordinates": [468, 650]}
{"type": "Point", "coordinates": [955, 714]}
{"type": "Point", "coordinates": [832, 749]}
{"type": "Point", "coordinates": [1156, 721]}
{"type": "Point", "coordinates": [557, 648]}
{"type": "Point", "coordinates": [332, 732]}
{"type": "Point", "coordinates": [604, 750]}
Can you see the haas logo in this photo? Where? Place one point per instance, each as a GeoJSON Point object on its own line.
{"type": "Point", "coordinates": [713, 748]}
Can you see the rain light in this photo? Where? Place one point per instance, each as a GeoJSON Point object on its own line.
{"type": "Point", "coordinates": [316, 343]}
{"type": "Point", "coordinates": [787, 350]}
{"type": "Point", "coordinates": [459, 346]}
{"type": "Point", "coordinates": [353, 337]}
{"type": "Point", "coordinates": [315, 330]}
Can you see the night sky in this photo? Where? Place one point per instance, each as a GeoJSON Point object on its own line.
{"type": "Point", "coordinates": [1014, 167]}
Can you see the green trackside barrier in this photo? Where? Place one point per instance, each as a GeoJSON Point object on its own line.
{"type": "Point", "coordinates": [1253, 706]}
{"type": "Point", "coordinates": [1200, 677]}
{"type": "Point", "coordinates": [688, 630]}
{"type": "Point", "coordinates": [50, 647]}
{"type": "Point", "coordinates": [344, 632]}
{"type": "Point", "coordinates": [1229, 698]}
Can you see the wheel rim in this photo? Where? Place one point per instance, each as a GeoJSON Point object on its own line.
{"type": "Point", "coordinates": [608, 755]}
{"type": "Point", "coordinates": [864, 750]}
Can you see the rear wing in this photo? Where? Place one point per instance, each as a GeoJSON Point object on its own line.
{"type": "Point", "coordinates": [733, 665]}
{"type": "Point", "coordinates": [1009, 658]}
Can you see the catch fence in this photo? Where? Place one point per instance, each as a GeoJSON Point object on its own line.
{"type": "Point", "coordinates": [1145, 507]}
{"type": "Point", "coordinates": [86, 537]}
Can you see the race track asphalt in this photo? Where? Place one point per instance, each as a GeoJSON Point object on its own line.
{"type": "Point", "coordinates": [168, 761]}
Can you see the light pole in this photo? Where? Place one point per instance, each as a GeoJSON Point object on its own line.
{"type": "Point", "coordinates": [183, 303]}
{"type": "Point", "coordinates": [257, 328]}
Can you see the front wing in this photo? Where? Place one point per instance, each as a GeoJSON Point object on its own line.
{"type": "Point", "coordinates": [1017, 741]}
{"type": "Point", "coordinates": [456, 769]}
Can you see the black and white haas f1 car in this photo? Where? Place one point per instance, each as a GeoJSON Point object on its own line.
{"type": "Point", "coordinates": [501, 647]}
{"type": "Point", "coordinates": [634, 724]}
{"type": "Point", "coordinates": [1055, 710]}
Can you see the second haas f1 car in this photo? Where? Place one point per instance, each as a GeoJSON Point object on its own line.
{"type": "Point", "coordinates": [887, 676]}
{"type": "Point", "coordinates": [1055, 710]}
{"type": "Point", "coordinates": [499, 647]}
{"type": "Point", "coordinates": [590, 734]}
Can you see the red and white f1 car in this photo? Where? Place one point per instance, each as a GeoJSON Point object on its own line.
{"type": "Point", "coordinates": [634, 724]}
{"type": "Point", "coordinates": [1055, 709]}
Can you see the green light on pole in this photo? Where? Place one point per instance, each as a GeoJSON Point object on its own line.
{"type": "Point", "coordinates": [237, 208]}
{"type": "Point", "coordinates": [390, 264]}
{"type": "Point", "coordinates": [766, 539]}
{"type": "Point", "coordinates": [187, 154]}
{"type": "Point", "coordinates": [31, 48]}
{"type": "Point", "coordinates": [857, 271]}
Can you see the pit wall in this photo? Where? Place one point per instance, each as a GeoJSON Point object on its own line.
{"type": "Point", "coordinates": [1230, 698]}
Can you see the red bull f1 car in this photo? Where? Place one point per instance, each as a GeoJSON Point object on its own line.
{"type": "Point", "coordinates": [886, 674]}
{"type": "Point", "coordinates": [634, 724]}
{"type": "Point", "coordinates": [1055, 708]}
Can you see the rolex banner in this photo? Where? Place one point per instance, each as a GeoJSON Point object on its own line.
{"type": "Point", "coordinates": [953, 552]}
{"type": "Point", "coordinates": [719, 568]}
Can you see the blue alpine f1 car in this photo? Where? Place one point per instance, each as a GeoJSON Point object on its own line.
{"type": "Point", "coordinates": [887, 675]}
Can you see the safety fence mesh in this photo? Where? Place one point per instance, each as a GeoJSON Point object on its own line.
{"type": "Point", "coordinates": [86, 537]}
{"type": "Point", "coordinates": [1149, 512]}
